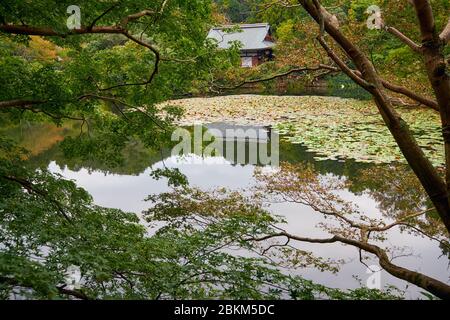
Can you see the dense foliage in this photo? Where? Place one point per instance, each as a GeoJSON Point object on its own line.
{"type": "Point", "coordinates": [295, 33]}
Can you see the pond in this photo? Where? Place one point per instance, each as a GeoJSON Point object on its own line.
{"type": "Point", "coordinates": [126, 187]}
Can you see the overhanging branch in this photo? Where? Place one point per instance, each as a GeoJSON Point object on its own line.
{"type": "Point", "coordinates": [20, 103]}
{"type": "Point", "coordinates": [359, 80]}
{"type": "Point", "coordinates": [445, 34]}
{"type": "Point", "coordinates": [92, 29]}
{"type": "Point", "coordinates": [403, 38]}
{"type": "Point", "coordinates": [434, 286]}
{"type": "Point", "coordinates": [281, 75]}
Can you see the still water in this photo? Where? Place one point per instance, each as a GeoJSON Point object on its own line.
{"type": "Point", "coordinates": [127, 186]}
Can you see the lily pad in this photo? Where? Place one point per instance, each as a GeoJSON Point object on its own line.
{"type": "Point", "coordinates": [332, 127]}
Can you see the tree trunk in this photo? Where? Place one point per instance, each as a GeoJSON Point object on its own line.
{"type": "Point", "coordinates": [430, 179]}
{"type": "Point", "coordinates": [436, 287]}
{"type": "Point", "coordinates": [432, 50]}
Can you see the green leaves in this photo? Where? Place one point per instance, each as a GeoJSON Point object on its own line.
{"type": "Point", "coordinates": [174, 176]}
{"type": "Point", "coordinates": [100, 80]}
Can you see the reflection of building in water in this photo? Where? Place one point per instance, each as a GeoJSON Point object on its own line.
{"type": "Point", "coordinates": [228, 132]}
{"type": "Point", "coordinates": [137, 158]}
{"type": "Point", "coordinates": [239, 144]}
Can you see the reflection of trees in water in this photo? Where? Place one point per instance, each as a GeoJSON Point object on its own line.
{"type": "Point", "coordinates": [135, 160]}
{"type": "Point", "coordinates": [401, 201]}
{"type": "Point", "coordinates": [42, 141]}
{"type": "Point", "coordinates": [332, 86]}
{"type": "Point", "coordinates": [37, 138]}
{"type": "Point", "coordinates": [398, 193]}
{"type": "Point", "coordinates": [394, 187]}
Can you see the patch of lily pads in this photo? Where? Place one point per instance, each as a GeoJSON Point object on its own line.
{"type": "Point", "coordinates": [331, 127]}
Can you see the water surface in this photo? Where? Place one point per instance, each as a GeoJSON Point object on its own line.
{"type": "Point", "coordinates": [127, 186]}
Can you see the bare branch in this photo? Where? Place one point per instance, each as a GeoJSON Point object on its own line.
{"type": "Point", "coordinates": [400, 221]}
{"type": "Point", "coordinates": [403, 38]}
{"type": "Point", "coordinates": [412, 95]}
{"type": "Point", "coordinates": [434, 286]}
{"type": "Point", "coordinates": [19, 103]}
{"type": "Point", "coordinates": [426, 20]}
{"type": "Point", "coordinates": [91, 26]}
{"type": "Point", "coordinates": [281, 75]}
{"type": "Point", "coordinates": [406, 92]}
{"type": "Point", "coordinates": [445, 34]}
{"type": "Point", "coordinates": [124, 23]}
{"type": "Point", "coordinates": [349, 72]}
{"type": "Point", "coordinates": [321, 18]}
{"type": "Point", "coordinates": [43, 31]}
{"type": "Point", "coordinates": [155, 67]}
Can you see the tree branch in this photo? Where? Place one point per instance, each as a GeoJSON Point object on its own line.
{"type": "Point", "coordinates": [429, 177]}
{"type": "Point", "coordinates": [445, 34]}
{"type": "Point", "coordinates": [61, 289]}
{"type": "Point", "coordinates": [412, 95]}
{"type": "Point", "coordinates": [406, 92]}
{"type": "Point", "coordinates": [91, 26]}
{"type": "Point", "coordinates": [403, 38]}
{"type": "Point", "coordinates": [280, 75]}
{"type": "Point", "coordinates": [43, 31]}
{"type": "Point", "coordinates": [349, 72]}
{"type": "Point", "coordinates": [426, 19]}
{"type": "Point", "coordinates": [74, 293]}
{"type": "Point", "coordinates": [434, 286]}
{"type": "Point", "coordinates": [20, 103]}
{"type": "Point", "coordinates": [155, 67]}
{"type": "Point", "coordinates": [435, 65]}
{"type": "Point", "coordinates": [39, 31]}
{"type": "Point", "coordinates": [31, 188]}
{"type": "Point", "coordinates": [124, 23]}
{"type": "Point", "coordinates": [115, 100]}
